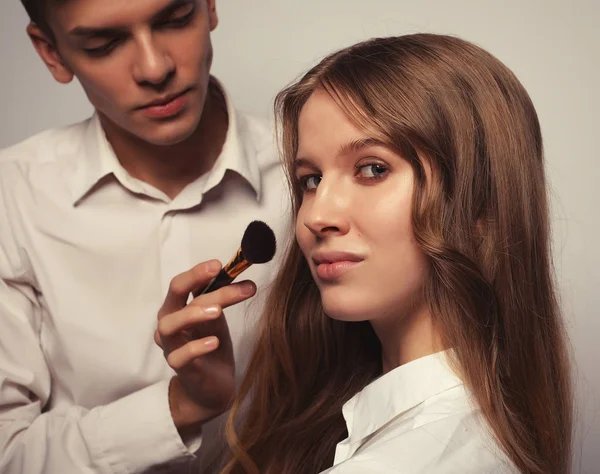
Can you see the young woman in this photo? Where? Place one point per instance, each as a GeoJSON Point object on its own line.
{"type": "Point", "coordinates": [414, 326]}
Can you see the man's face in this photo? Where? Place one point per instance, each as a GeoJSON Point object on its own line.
{"type": "Point", "coordinates": [144, 64]}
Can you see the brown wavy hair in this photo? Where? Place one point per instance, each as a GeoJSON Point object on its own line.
{"type": "Point", "coordinates": [481, 218]}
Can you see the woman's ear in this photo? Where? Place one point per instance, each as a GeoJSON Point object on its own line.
{"type": "Point", "coordinates": [46, 49]}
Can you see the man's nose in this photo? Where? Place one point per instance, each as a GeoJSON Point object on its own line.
{"type": "Point", "coordinates": [153, 65]}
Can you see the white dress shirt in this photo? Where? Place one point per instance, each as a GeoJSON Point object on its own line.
{"type": "Point", "coordinates": [86, 256]}
{"type": "Point", "coordinates": [417, 419]}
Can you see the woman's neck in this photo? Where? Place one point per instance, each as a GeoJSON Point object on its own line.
{"type": "Point", "coordinates": [407, 337]}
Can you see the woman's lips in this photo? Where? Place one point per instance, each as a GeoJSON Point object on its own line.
{"type": "Point", "coordinates": [332, 264]}
{"type": "Point", "coordinates": [329, 271]}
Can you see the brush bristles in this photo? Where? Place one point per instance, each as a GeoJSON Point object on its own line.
{"type": "Point", "coordinates": [259, 243]}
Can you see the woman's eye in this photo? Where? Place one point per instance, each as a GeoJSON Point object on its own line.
{"type": "Point", "coordinates": [310, 182]}
{"type": "Point", "coordinates": [373, 171]}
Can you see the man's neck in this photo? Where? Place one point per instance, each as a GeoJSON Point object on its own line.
{"type": "Point", "coordinates": [172, 168]}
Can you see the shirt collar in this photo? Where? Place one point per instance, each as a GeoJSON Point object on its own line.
{"type": "Point", "coordinates": [239, 153]}
{"type": "Point", "coordinates": [97, 158]}
{"type": "Point", "coordinates": [94, 161]}
{"type": "Point", "coordinates": [396, 392]}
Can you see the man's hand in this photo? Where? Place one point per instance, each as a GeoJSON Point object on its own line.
{"type": "Point", "coordinates": [196, 343]}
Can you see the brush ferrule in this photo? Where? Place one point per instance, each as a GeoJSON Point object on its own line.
{"type": "Point", "coordinates": [227, 274]}
{"type": "Point", "coordinates": [236, 265]}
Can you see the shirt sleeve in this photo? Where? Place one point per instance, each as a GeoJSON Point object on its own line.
{"type": "Point", "coordinates": [128, 435]}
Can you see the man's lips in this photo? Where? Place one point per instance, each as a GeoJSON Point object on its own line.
{"type": "Point", "coordinates": [166, 107]}
{"type": "Point", "coordinates": [163, 100]}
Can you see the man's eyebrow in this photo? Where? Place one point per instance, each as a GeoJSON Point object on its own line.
{"type": "Point", "coordinates": [88, 31]}
{"type": "Point", "coordinates": [116, 30]}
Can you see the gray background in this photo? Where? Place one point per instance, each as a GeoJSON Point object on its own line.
{"type": "Point", "coordinates": [261, 45]}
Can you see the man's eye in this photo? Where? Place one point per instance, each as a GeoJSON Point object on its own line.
{"type": "Point", "coordinates": [102, 50]}
{"type": "Point", "coordinates": [178, 22]}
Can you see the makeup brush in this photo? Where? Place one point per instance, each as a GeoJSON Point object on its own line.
{"type": "Point", "coordinates": [258, 246]}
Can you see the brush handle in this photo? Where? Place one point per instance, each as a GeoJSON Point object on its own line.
{"type": "Point", "coordinates": [222, 279]}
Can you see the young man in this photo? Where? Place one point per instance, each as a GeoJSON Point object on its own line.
{"type": "Point", "coordinates": [98, 217]}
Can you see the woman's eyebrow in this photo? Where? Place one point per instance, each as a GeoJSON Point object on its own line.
{"type": "Point", "coordinates": [300, 162]}
{"type": "Point", "coordinates": [359, 144]}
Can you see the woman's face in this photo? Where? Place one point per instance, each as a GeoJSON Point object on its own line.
{"type": "Point", "coordinates": [354, 224]}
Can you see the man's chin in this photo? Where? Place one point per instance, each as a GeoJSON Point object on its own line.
{"type": "Point", "coordinates": [167, 134]}
{"type": "Point", "coordinates": [154, 132]}
{"type": "Point", "coordinates": [166, 139]}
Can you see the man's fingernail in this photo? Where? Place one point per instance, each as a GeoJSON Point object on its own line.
{"type": "Point", "coordinates": [212, 310]}
{"type": "Point", "coordinates": [247, 289]}
{"type": "Point", "coordinates": [211, 341]}
{"type": "Point", "coordinates": [213, 266]}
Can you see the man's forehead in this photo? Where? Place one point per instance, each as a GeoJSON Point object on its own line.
{"type": "Point", "coordinates": [70, 14]}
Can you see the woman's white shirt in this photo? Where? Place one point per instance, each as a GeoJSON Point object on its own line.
{"type": "Point", "coordinates": [418, 418]}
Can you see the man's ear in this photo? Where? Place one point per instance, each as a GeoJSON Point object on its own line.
{"type": "Point", "coordinates": [213, 18]}
{"type": "Point", "coordinates": [46, 49]}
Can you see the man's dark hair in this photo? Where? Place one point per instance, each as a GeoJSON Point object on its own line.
{"type": "Point", "coordinates": [36, 9]}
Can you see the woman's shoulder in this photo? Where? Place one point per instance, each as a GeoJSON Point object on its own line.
{"type": "Point", "coordinates": [446, 434]}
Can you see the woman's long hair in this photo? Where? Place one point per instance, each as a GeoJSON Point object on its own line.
{"type": "Point", "coordinates": [480, 215]}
